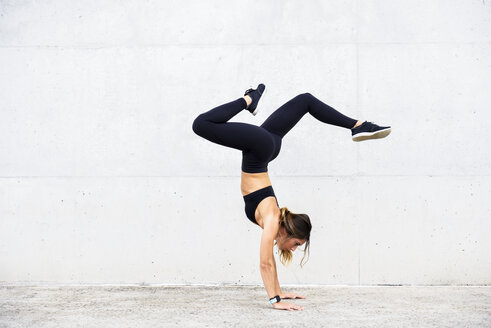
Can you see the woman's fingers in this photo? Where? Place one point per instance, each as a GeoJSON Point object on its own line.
{"type": "Point", "coordinates": [291, 295]}
{"type": "Point", "coordinates": [289, 306]}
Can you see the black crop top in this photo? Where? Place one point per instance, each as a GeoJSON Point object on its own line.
{"type": "Point", "coordinates": [253, 199]}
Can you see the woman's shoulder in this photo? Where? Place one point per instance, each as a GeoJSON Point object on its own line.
{"type": "Point", "coordinates": [268, 211]}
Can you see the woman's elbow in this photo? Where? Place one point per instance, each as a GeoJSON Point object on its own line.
{"type": "Point", "coordinates": [266, 264]}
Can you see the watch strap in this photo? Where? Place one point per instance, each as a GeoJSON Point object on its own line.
{"type": "Point", "coordinates": [275, 299]}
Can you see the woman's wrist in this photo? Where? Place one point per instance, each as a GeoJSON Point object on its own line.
{"type": "Point", "coordinates": [275, 299]}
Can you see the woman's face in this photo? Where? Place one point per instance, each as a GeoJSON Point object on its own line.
{"type": "Point", "coordinates": [293, 243]}
{"type": "Point", "coordinates": [285, 243]}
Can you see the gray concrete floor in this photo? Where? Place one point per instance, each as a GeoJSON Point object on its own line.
{"type": "Point", "coordinates": [243, 306]}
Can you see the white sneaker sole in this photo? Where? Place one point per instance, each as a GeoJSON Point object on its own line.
{"type": "Point", "coordinates": [372, 135]}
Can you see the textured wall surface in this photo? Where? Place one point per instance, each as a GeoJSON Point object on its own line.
{"type": "Point", "coordinates": [102, 179]}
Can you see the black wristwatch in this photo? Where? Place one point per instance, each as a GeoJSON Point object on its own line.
{"type": "Point", "coordinates": [275, 299]}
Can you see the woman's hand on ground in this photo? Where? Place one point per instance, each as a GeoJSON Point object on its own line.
{"type": "Point", "coordinates": [290, 295]}
{"type": "Point", "coordinates": [286, 306]}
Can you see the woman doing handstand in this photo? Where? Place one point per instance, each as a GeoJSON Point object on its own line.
{"type": "Point", "coordinates": [260, 145]}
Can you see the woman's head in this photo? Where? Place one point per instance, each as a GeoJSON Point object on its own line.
{"type": "Point", "coordinates": [294, 231]}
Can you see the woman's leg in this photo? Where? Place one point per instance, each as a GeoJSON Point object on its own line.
{"type": "Point", "coordinates": [213, 126]}
{"type": "Point", "coordinates": [284, 118]}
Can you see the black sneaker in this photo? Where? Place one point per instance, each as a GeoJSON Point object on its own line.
{"type": "Point", "coordinates": [369, 130]}
{"type": "Point", "coordinates": [255, 94]}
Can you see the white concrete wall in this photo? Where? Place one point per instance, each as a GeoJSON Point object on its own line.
{"type": "Point", "coordinates": [102, 179]}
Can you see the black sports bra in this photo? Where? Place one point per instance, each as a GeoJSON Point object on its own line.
{"type": "Point", "coordinates": [253, 199]}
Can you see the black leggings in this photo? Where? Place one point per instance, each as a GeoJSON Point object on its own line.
{"type": "Point", "coordinates": [257, 140]}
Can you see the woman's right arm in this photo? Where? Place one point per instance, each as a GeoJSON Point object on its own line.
{"type": "Point", "coordinates": [267, 262]}
{"type": "Point", "coordinates": [268, 266]}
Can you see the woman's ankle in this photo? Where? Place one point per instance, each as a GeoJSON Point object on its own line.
{"type": "Point", "coordinates": [248, 100]}
{"type": "Point", "coordinates": [357, 124]}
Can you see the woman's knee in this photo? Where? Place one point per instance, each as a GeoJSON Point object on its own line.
{"type": "Point", "coordinates": [303, 98]}
{"type": "Point", "coordinates": [306, 96]}
{"type": "Point", "coordinates": [199, 125]}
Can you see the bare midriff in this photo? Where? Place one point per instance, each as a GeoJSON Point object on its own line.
{"type": "Point", "coordinates": [250, 182]}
